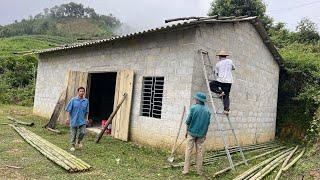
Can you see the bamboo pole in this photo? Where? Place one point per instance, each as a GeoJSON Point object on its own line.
{"type": "Point", "coordinates": [294, 160]}
{"type": "Point", "coordinates": [270, 166]}
{"type": "Point", "coordinates": [57, 111]}
{"type": "Point", "coordinates": [14, 167]}
{"type": "Point", "coordinates": [111, 117]}
{"type": "Point", "coordinates": [250, 176]}
{"type": "Point", "coordinates": [250, 159]}
{"type": "Point", "coordinates": [208, 159]}
{"type": "Point", "coordinates": [42, 151]}
{"type": "Point", "coordinates": [244, 148]}
{"type": "Point", "coordinates": [53, 130]}
{"type": "Point", "coordinates": [63, 153]}
{"type": "Point", "coordinates": [270, 169]}
{"type": "Point", "coordinates": [45, 148]}
{"type": "Point", "coordinates": [52, 152]}
{"type": "Point", "coordinates": [258, 166]}
{"type": "Point", "coordinates": [250, 146]}
{"type": "Point", "coordinates": [285, 163]}
{"type": "Point", "coordinates": [56, 153]}
{"type": "Point", "coordinates": [20, 122]}
{"type": "Point", "coordinates": [70, 157]}
{"type": "Point", "coordinates": [182, 18]}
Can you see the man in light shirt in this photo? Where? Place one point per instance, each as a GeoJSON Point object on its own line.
{"type": "Point", "coordinates": [224, 79]}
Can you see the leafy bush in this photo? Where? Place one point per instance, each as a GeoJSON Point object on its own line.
{"type": "Point", "coordinates": [17, 77]}
{"type": "Point", "coordinates": [299, 91]}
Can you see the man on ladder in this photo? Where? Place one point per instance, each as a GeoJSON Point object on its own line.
{"type": "Point", "coordinates": [223, 70]}
{"type": "Point", "coordinates": [224, 80]}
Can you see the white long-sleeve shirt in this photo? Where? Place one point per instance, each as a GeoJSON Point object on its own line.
{"type": "Point", "coordinates": [223, 71]}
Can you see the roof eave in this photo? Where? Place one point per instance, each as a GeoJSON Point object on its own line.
{"type": "Point", "coordinates": [267, 41]}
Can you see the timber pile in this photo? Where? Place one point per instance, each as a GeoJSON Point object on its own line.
{"type": "Point", "coordinates": [52, 152]}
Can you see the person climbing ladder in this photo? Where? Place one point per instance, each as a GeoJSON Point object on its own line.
{"type": "Point", "coordinates": [224, 79]}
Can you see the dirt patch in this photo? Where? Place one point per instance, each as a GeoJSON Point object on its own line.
{"type": "Point", "coordinates": [315, 173]}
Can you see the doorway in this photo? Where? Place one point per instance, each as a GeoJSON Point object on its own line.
{"type": "Point", "coordinates": [101, 96]}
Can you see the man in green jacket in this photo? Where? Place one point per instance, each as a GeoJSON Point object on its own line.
{"type": "Point", "coordinates": [197, 126]}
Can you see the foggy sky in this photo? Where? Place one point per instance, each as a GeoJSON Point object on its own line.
{"type": "Point", "coordinates": [144, 14]}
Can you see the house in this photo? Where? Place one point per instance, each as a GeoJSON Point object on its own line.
{"type": "Point", "coordinates": [160, 69]}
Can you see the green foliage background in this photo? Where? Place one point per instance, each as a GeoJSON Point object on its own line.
{"type": "Point", "coordinates": [59, 25]}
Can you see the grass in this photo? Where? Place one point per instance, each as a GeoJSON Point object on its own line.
{"type": "Point", "coordinates": [11, 45]}
{"type": "Point", "coordinates": [111, 159]}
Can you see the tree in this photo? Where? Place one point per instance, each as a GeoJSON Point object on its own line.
{"type": "Point", "coordinates": [307, 31]}
{"type": "Point", "coordinates": [241, 8]}
{"type": "Point", "coordinates": [280, 35]}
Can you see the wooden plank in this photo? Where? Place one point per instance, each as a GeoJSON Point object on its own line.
{"type": "Point", "coordinates": [75, 80]}
{"type": "Point", "coordinates": [88, 86]}
{"type": "Point", "coordinates": [121, 122]}
{"type": "Point", "coordinates": [127, 111]}
{"type": "Point", "coordinates": [116, 99]}
{"type": "Point", "coordinates": [118, 117]}
{"type": "Point", "coordinates": [83, 80]}
{"type": "Point", "coordinates": [57, 111]}
{"type": "Point", "coordinates": [115, 124]}
{"type": "Point", "coordinates": [62, 116]}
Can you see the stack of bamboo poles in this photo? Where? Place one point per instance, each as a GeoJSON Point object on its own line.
{"type": "Point", "coordinates": [52, 152]}
{"type": "Point", "coordinates": [263, 168]}
{"type": "Point", "coordinates": [211, 158]}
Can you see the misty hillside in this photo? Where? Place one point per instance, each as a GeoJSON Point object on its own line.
{"type": "Point", "coordinates": [24, 44]}
{"type": "Point", "coordinates": [67, 20]}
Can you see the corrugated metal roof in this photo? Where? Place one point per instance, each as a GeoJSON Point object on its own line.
{"type": "Point", "coordinates": [171, 26]}
{"type": "Point", "coordinates": [256, 22]}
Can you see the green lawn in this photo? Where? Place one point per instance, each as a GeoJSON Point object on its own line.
{"type": "Point", "coordinates": [111, 159]}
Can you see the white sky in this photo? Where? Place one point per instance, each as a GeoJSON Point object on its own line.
{"type": "Point", "coordinates": [142, 14]}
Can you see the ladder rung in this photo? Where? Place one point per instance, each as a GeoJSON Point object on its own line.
{"type": "Point", "coordinates": [235, 147]}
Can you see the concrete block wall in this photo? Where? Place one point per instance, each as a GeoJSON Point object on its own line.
{"type": "Point", "coordinates": [174, 55]}
{"type": "Point", "coordinates": [169, 54]}
{"type": "Point", "coordinates": [255, 88]}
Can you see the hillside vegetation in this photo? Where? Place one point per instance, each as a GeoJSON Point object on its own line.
{"type": "Point", "coordinates": [57, 26]}
{"type": "Point", "coordinates": [67, 20]}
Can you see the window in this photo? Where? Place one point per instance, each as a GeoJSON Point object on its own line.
{"type": "Point", "coordinates": [152, 94]}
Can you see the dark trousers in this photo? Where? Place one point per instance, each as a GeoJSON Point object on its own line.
{"type": "Point", "coordinates": [219, 87]}
{"type": "Point", "coordinates": [81, 131]}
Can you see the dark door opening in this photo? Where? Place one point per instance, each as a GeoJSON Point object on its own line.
{"type": "Point", "coordinates": [101, 96]}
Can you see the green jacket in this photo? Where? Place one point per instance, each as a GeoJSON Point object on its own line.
{"type": "Point", "coordinates": [198, 120]}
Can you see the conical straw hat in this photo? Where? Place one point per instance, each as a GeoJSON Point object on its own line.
{"type": "Point", "coordinates": [222, 53]}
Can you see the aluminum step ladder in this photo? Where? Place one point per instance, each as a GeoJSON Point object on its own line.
{"type": "Point", "coordinates": [206, 65]}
